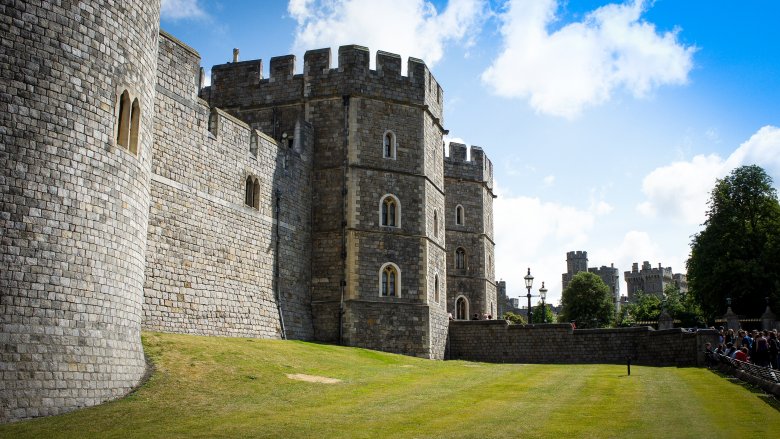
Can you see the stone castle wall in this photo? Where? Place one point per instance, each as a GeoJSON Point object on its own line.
{"type": "Point", "coordinates": [75, 204]}
{"type": "Point", "coordinates": [211, 258]}
{"type": "Point", "coordinates": [496, 341]}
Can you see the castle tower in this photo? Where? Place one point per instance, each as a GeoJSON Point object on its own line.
{"type": "Point", "coordinates": [470, 246]}
{"type": "Point", "coordinates": [378, 272]}
{"type": "Point", "coordinates": [75, 158]}
{"type": "Point", "coordinates": [576, 261]}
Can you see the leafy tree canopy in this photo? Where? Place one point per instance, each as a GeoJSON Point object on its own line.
{"type": "Point", "coordinates": [588, 301]}
{"type": "Point", "coordinates": [543, 314]}
{"type": "Point", "coordinates": [514, 318]}
{"type": "Point", "coordinates": [737, 255]}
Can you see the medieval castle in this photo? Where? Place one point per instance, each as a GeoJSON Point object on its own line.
{"type": "Point", "coordinates": [312, 206]}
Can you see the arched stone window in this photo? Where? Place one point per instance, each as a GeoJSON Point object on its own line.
{"type": "Point", "coordinates": [462, 308]}
{"type": "Point", "coordinates": [435, 224]}
{"type": "Point", "coordinates": [389, 145]}
{"type": "Point", "coordinates": [460, 258]}
{"type": "Point", "coordinates": [390, 280]}
{"type": "Point", "coordinates": [128, 122]}
{"type": "Point", "coordinates": [390, 211]}
{"type": "Point", "coordinates": [459, 220]}
{"type": "Point", "coordinates": [436, 288]}
{"type": "Point", "coordinates": [252, 192]}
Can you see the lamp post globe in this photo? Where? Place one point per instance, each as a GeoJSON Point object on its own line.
{"type": "Point", "coordinates": [529, 282]}
{"type": "Point", "coordinates": [543, 295]}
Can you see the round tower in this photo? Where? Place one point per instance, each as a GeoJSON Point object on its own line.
{"type": "Point", "coordinates": [77, 82]}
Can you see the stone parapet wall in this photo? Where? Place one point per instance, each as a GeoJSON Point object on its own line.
{"type": "Point", "coordinates": [497, 341]}
{"type": "Point", "coordinates": [241, 84]}
{"type": "Point", "coordinates": [475, 168]}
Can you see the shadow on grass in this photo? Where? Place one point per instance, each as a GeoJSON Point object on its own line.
{"type": "Point", "coordinates": [769, 399]}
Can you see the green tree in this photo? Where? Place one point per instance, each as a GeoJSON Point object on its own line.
{"type": "Point", "coordinates": [514, 318]}
{"type": "Point", "coordinates": [543, 315]}
{"type": "Point", "coordinates": [644, 307]}
{"type": "Point", "coordinates": [588, 301]}
{"type": "Point", "coordinates": [682, 307]}
{"type": "Point", "coordinates": [737, 255]}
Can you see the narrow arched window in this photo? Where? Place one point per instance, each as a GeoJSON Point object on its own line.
{"type": "Point", "coordinates": [390, 212]}
{"type": "Point", "coordinates": [459, 215]}
{"type": "Point", "coordinates": [250, 192]}
{"type": "Point", "coordinates": [390, 281]}
{"type": "Point", "coordinates": [388, 145]}
{"type": "Point", "coordinates": [460, 258]}
{"type": "Point", "coordinates": [462, 308]}
{"type": "Point", "coordinates": [436, 288]}
{"type": "Point", "coordinates": [135, 121]}
{"type": "Point", "coordinates": [435, 224]}
{"type": "Point", "coordinates": [123, 128]}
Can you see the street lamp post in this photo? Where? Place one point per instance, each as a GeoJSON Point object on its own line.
{"type": "Point", "coordinates": [543, 295]}
{"type": "Point", "coordinates": [529, 282]}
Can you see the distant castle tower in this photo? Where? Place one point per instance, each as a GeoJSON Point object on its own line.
{"type": "Point", "coordinates": [651, 280]}
{"type": "Point", "coordinates": [576, 261]}
{"type": "Point", "coordinates": [75, 159]}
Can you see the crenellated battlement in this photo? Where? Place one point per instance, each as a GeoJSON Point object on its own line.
{"type": "Point", "coordinates": [457, 164]}
{"type": "Point", "coordinates": [240, 84]}
{"type": "Point", "coordinates": [579, 254]}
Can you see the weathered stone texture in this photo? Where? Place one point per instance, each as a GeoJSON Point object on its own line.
{"type": "Point", "coordinates": [211, 257]}
{"type": "Point", "coordinates": [499, 342]}
{"type": "Point", "coordinates": [74, 205]}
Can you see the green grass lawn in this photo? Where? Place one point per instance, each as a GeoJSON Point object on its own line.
{"type": "Point", "coordinates": [231, 387]}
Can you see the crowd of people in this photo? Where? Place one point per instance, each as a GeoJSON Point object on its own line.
{"type": "Point", "coordinates": [761, 348]}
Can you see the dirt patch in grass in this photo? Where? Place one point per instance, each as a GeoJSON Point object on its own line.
{"type": "Point", "coordinates": [312, 378]}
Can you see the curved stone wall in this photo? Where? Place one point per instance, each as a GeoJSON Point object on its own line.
{"type": "Point", "coordinates": [75, 202]}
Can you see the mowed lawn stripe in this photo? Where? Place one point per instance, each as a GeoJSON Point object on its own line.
{"type": "Point", "coordinates": [229, 387]}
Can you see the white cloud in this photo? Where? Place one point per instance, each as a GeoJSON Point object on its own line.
{"type": "Point", "coordinates": [681, 190]}
{"type": "Point", "coordinates": [181, 10]}
{"type": "Point", "coordinates": [548, 180]}
{"type": "Point", "coordinates": [583, 63]}
{"type": "Point", "coordinates": [406, 27]}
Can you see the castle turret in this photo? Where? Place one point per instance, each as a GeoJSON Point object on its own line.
{"type": "Point", "coordinates": [75, 158]}
{"type": "Point", "coordinates": [470, 244]}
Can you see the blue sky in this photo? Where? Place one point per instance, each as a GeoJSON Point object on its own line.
{"type": "Point", "coordinates": [607, 123]}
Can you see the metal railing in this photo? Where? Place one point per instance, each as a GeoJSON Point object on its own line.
{"type": "Point", "coordinates": [764, 373]}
